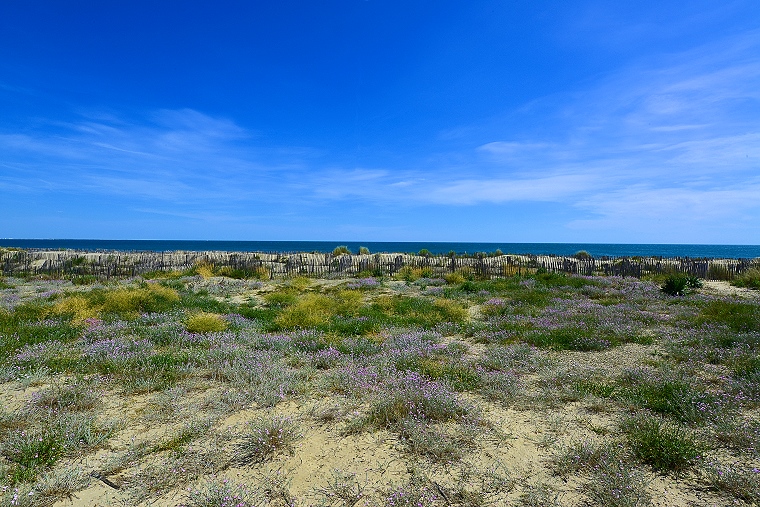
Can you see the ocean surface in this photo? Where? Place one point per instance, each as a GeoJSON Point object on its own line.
{"type": "Point", "coordinates": [595, 249]}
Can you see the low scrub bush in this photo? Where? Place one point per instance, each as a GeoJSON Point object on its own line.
{"type": "Point", "coordinates": [495, 307]}
{"type": "Point", "coordinates": [500, 386]}
{"type": "Point", "coordinates": [415, 493]}
{"type": "Point", "coordinates": [123, 302]}
{"type": "Point", "coordinates": [165, 275]}
{"type": "Point", "coordinates": [680, 285]}
{"type": "Point", "coordinates": [67, 397]}
{"type": "Point", "coordinates": [266, 437]}
{"type": "Point", "coordinates": [562, 280]}
{"type": "Point", "coordinates": [341, 250]}
{"type": "Point", "coordinates": [84, 279]}
{"type": "Point", "coordinates": [614, 483]}
{"type": "Point", "coordinates": [16, 332]}
{"type": "Point", "coordinates": [427, 440]}
{"type": "Point", "coordinates": [749, 279]}
{"type": "Point", "coordinates": [309, 311]}
{"type": "Point", "coordinates": [77, 308]}
{"type": "Point", "coordinates": [460, 275]}
{"type": "Point", "coordinates": [204, 269]}
{"type": "Point", "coordinates": [412, 395]}
{"type": "Point", "coordinates": [665, 446]}
{"type": "Point", "coordinates": [31, 453]}
{"type": "Point", "coordinates": [583, 456]}
{"type": "Point", "coordinates": [150, 374]}
{"type": "Point", "coordinates": [672, 397]}
{"type": "Point", "coordinates": [201, 301]}
{"type": "Point", "coordinates": [281, 298]}
{"type": "Point", "coordinates": [411, 274]}
{"type": "Point", "coordinates": [204, 322]}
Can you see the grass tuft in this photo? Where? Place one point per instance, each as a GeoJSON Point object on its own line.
{"type": "Point", "coordinates": [664, 445]}
{"type": "Point", "coordinates": [204, 322]}
{"type": "Point", "coordinates": [749, 279]}
{"type": "Point", "coordinates": [265, 438]}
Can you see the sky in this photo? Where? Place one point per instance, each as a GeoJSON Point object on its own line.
{"type": "Point", "coordinates": [491, 121]}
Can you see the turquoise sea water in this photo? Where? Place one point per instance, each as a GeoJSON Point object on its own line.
{"type": "Point", "coordinates": [595, 249]}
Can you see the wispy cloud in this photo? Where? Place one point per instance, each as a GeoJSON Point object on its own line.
{"type": "Point", "coordinates": [674, 135]}
{"type": "Point", "coordinates": [172, 156]}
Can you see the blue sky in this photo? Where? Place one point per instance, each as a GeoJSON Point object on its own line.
{"type": "Point", "coordinates": [502, 121]}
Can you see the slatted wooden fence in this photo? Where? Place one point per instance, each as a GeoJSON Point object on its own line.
{"type": "Point", "coordinates": [106, 265]}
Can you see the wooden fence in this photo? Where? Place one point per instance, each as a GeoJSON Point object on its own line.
{"type": "Point", "coordinates": [106, 265]}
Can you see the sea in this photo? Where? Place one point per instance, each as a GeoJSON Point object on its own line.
{"type": "Point", "coordinates": [562, 249]}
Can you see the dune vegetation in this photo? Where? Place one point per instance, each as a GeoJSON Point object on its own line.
{"type": "Point", "coordinates": [200, 390]}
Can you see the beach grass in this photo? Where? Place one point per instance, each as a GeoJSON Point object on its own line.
{"type": "Point", "coordinates": [206, 387]}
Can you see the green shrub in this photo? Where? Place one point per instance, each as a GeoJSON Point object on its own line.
{"type": "Point", "coordinates": [204, 322]}
{"type": "Point", "coordinates": [411, 274]}
{"type": "Point", "coordinates": [675, 285]}
{"type": "Point", "coordinates": [68, 397]}
{"type": "Point", "coordinates": [311, 310]}
{"type": "Point", "coordinates": [454, 278]}
{"type": "Point", "coordinates": [363, 250]}
{"type": "Point", "coordinates": [664, 445]}
{"type": "Point", "coordinates": [582, 255]}
{"type": "Point", "coordinates": [425, 439]}
{"type": "Point", "coordinates": [614, 483]}
{"type": "Point", "coordinates": [31, 453]}
{"type": "Point", "coordinates": [123, 302]}
{"type": "Point", "coordinates": [749, 279]}
{"type": "Point", "coordinates": [583, 456]}
{"type": "Point", "coordinates": [341, 250]}
{"type": "Point", "coordinates": [298, 283]}
{"type": "Point", "coordinates": [150, 298]}
{"type": "Point", "coordinates": [281, 298]}
{"type": "Point", "coordinates": [204, 269]}
{"type": "Point", "coordinates": [672, 397]}
{"type": "Point", "coordinates": [460, 275]}
{"type": "Point", "coordinates": [22, 327]}
{"type": "Point", "coordinates": [159, 274]}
